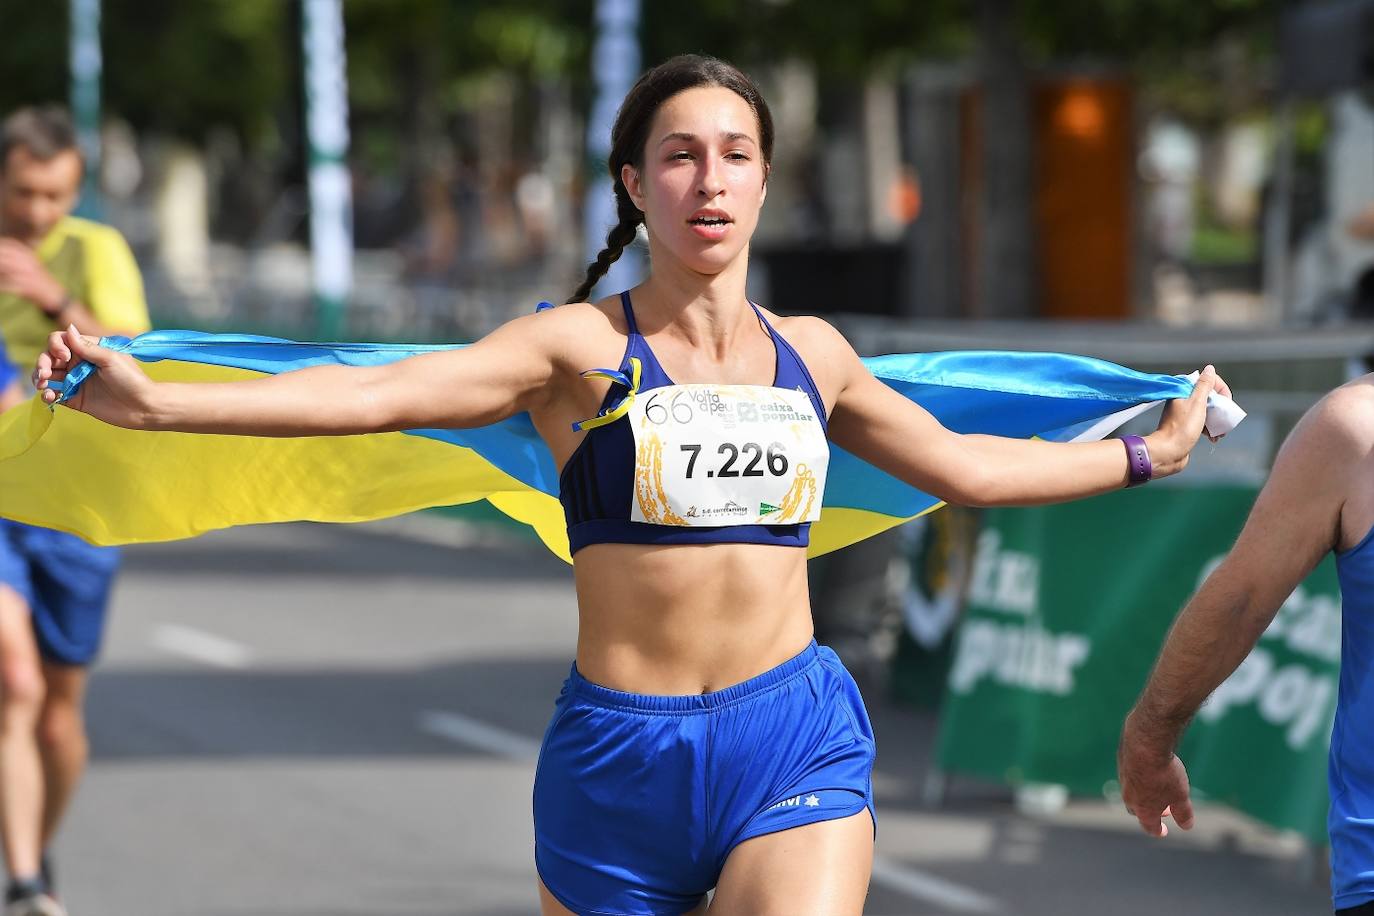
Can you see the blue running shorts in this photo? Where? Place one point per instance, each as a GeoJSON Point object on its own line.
{"type": "Point", "coordinates": [638, 800]}
{"type": "Point", "coordinates": [66, 583]}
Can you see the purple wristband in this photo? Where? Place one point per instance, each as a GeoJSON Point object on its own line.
{"type": "Point", "coordinates": [1138, 460]}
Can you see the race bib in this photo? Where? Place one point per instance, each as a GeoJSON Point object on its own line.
{"type": "Point", "coordinates": [713, 455]}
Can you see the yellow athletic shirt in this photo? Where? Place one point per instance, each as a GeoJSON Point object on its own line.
{"type": "Point", "coordinates": [94, 264]}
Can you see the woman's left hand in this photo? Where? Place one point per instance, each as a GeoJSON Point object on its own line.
{"type": "Point", "coordinates": [1182, 423]}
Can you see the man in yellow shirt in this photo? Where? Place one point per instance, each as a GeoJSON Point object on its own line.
{"type": "Point", "coordinates": [55, 270]}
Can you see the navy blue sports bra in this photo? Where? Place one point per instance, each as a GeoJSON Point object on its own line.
{"type": "Point", "coordinates": [596, 485]}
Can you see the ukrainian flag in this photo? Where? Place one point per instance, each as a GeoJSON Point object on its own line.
{"type": "Point", "coordinates": [62, 469]}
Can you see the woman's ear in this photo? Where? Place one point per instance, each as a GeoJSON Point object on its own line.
{"type": "Point", "coordinates": [629, 176]}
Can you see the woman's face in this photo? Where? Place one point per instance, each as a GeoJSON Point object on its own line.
{"type": "Point", "coordinates": [702, 183]}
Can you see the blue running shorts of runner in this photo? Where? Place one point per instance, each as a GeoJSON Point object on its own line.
{"type": "Point", "coordinates": [66, 583]}
{"type": "Point", "coordinates": [638, 800]}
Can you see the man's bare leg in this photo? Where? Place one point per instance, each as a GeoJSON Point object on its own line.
{"type": "Point", "coordinates": [61, 741]}
{"type": "Point", "coordinates": [21, 769]}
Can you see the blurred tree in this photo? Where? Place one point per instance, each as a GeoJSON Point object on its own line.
{"type": "Point", "coordinates": [1140, 29]}
{"type": "Point", "coordinates": [843, 40]}
{"type": "Point", "coordinates": [182, 67]}
{"type": "Point", "coordinates": [1205, 62]}
{"type": "Point", "coordinates": [453, 41]}
{"type": "Point", "coordinates": [34, 65]}
{"type": "Point", "coordinates": [411, 62]}
{"type": "Point", "coordinates": [853, 39]}
{"type": "Point", "coordinates": [173, 66]}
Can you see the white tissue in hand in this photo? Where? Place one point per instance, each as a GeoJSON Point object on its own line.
{"type": "Point", "coordinates": [1223, 414]}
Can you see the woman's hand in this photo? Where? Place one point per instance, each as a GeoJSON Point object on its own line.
{"type": "Point", "coordinates": [1182, 423]}
{"type": "Point", "coordinates": [120, 393]}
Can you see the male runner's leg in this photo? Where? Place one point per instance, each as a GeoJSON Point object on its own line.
{"type": "Point", "coordinates": [21, 769]}
{"type": "Point", "coordinates": [68, 591]}
{"type": "Point", "coordinates": [71, 588]}
{"type": "Point", "coordinates": [62, 740]}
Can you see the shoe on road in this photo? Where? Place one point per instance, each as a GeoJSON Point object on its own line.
{"type": "Point", "coordinates": [35, 905]}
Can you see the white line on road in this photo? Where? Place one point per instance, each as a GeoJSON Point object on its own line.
{"type": "Point", "coordinates": [925, 886]}
{"type": "Point", "coordinates": [200, 646]}
{"type": "Point", "coordinates": [471, 732]}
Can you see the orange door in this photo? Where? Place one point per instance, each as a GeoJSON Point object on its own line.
{"type": "Point", "coordinates": [1083, 146]}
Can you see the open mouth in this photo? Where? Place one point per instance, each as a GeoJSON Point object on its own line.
{"type": "Point", "coordinates": [710, 218]}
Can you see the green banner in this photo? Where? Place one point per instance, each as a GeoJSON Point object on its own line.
{"type": "Point", "coordinates": [1067, 608]}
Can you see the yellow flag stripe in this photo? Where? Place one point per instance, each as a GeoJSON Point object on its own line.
{"type": "Point", "coordinates": [164, 486]}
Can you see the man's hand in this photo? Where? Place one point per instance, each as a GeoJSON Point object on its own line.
{"type": "Point", "coordinates": [1154, 784]}
{"type": "Point", "coordinates": [24, 275]}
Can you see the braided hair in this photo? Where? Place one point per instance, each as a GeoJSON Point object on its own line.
{"type": "Point", "coordinates": [630, 134]}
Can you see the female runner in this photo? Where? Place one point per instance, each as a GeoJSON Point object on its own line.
{"type": "Point", "coordinates": [702, 739]}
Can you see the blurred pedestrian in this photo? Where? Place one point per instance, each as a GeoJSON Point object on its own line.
{"type": "Point", "coordinates": [55, 270]}
{"type": "Point", "coordinates": [702, 738]}
{"type": "Point", "coordinates": [1318, 500]}
{"type": "Point", "coordinates": [11, 392]}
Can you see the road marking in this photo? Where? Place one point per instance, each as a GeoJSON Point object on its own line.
{"type": "Point", "coordinates": [924, 886]}
{"type": "Point", "coordinates": [471, 732]}
{"type": "Point", "coordinates": [201, 646]}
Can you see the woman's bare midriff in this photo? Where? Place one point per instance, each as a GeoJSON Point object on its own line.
{"type": "Point", "coordinates": [688, 618]}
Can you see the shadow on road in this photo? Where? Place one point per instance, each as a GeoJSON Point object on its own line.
{"type": "Point", "coordinates": [349, 551]}
{"type": "Point", "coordinates": [159, 714]}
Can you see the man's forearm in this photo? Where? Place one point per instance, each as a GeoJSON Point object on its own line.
{"type": "Point", "coordinates": [1210, 639]}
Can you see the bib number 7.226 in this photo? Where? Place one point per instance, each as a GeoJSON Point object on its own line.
{"type": "Point", "coordinates": [774, 458]}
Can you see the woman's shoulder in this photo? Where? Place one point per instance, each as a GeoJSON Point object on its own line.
{"type": "Point", "coordinates": [601, 314]}
{"type": "Point", "coordinates": [828, 356]}
{"type": "Point", "coordinates": [575, 335]}
{"type": "Point", "coordinates": [808, 333]}
{"type": "Point", "coordinates": [575, 319]}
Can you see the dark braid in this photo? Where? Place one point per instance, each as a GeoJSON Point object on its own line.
{"type": "Point", "coordinates": [631, 132]}
{"type": "Point", "coordinates": [617, 240]}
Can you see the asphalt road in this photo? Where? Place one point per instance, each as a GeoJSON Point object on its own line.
{"type": "Point", "coordinates": [315, 720]}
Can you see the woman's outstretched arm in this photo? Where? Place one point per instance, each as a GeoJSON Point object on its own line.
{"type": "Point", "coordinates": [885, 429]}
{"type": "Point", "coordinates": [505, 373]}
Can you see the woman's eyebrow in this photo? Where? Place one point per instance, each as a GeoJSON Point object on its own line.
{"type": "Point", "coordinates": [686, 137]}
{"type": "Point", "coordinates": [680, 135]}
